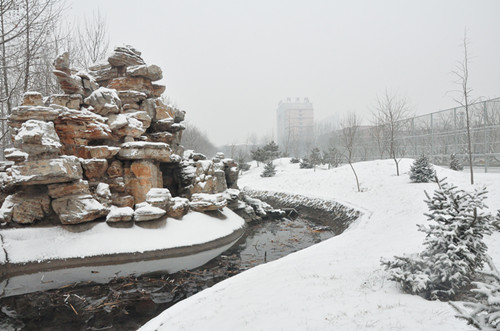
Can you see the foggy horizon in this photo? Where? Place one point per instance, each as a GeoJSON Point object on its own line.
{"type": "Point", "coordinates": [229, 64]}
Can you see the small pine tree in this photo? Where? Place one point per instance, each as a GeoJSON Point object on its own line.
{"type": "Point", "coordinates": [315, 158]}
{"type": "Point", "coordinates": [421, 171]}
{"type": "Point", "coordinates": [454, 248]}
{"type": "Point", "coordinates": [294, 160]}
{"type": "Point", "coordinates": [269, 170]}
{"type": "Point", "coordinates": [332, 157]}
{"type": "Point", "coordinates": [271, 150]}
{"type": "Point", "coordinates": [455, 163]}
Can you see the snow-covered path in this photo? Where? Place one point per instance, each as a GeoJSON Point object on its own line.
{"type": "Point", "coordinates": [337, 284]}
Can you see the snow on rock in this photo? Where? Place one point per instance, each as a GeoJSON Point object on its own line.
{"type": "Point", "coordinates": [78, 209]}
{"type": "Point", "coordinates": [207, 202]}
{"type": "Point", "coordinates": [159, 197]}
{"type": "Point", "coordinates": [40, 244]}
{"type": "Point", "coordinates": [120, 214]}
{"type": "Point", "coordinates": [145, 212]}
{"type": "Point", "coordinates": [37, 137]}
{"type": "Point", "coordinates": [179, 208]}
{"type": "Point", "coordinates": [338, 284]}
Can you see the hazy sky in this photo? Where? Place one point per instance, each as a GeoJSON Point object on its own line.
{"type": "Point", "coordinates": [229, 63]}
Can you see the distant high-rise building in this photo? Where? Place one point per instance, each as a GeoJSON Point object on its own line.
{"type": "Point", "coordinates": [295, 124]}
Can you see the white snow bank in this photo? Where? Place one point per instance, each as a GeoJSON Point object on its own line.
{"type": "Point", "coordinates": [337, 284]}
{"type": "Point", "coordinates": [40, 244]}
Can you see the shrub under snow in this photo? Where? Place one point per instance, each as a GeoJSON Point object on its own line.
{"type": "Point", "coordinates": [421, 170]}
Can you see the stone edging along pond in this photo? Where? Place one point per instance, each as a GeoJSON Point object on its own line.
{"type": "Point", "coordinates": [323, 211]}
{"type": "Point", "coordinates": [14, 269]}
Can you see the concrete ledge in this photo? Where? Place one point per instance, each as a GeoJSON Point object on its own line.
{"type": "Point", "coordinates": [14, 269]}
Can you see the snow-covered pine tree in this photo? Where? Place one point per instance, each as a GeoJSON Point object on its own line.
{"type": "Point", "coordinates": [485, 313]}
{"type": "Point", "coordinates": [454, 248]}
{"type": "Point", "coordinates": [455, 163]}
{"type": "Point", "coordinates": [421, 171]}
{"type": "Point", "coordinates": [269, 170]}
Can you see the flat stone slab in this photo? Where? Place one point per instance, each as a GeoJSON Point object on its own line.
{"type": "Point", "coordinates": [139, 150]}
{"type": "Point", "coordinates": [60, 170]}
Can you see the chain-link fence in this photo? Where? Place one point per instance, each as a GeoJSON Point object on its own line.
{"type": "Point", "coordinates": [437, 135]}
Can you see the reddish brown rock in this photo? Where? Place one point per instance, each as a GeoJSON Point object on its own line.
{"type": "Point", "coordinates": [94, 168]}
{"type": "Point", "coordinates": [70, 84]}
{"type": "Point", "coordinates": [65, 189]}
{"type": "Point", "coordinates": [141, 177]}
{"type": "Point", "coordinates": [122, 200]}
{"type": "Point", "coordinates": [115, 169]}
{"type": "Point", "coordinates": [80, 127]}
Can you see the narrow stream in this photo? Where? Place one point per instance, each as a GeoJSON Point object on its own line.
{"type": "Point", "coordinates": [127, 302]}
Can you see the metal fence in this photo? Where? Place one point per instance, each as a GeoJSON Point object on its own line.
{"type": "Point", "coordinates": [438, 135]}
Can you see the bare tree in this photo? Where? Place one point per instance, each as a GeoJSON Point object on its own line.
{"type": "Point", "coordinates": [462, 74]}
{"type": "Point", "coordinates": [390, 112]}
{"type": "Point", "coordinates": [197, 140]}
{"type": "Point", "coordinates": [349, 129]}
{"type": "Point", "coordinates": [94, 39]}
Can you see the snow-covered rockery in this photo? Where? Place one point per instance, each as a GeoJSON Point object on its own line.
{"type": "Point", "coordinates": [109, 146]}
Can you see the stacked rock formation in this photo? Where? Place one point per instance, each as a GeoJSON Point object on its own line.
{"type": "Point", "coordinates": [108, 147]}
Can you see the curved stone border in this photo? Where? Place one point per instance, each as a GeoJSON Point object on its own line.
{"type": "Point", "coordinates": [323, 211]}
{"type": "Point", "coordinates": [14, 269]}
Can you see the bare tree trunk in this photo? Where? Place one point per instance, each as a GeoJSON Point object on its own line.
{"type": "Point", "coordinates": [27, 66]}
{"type": "Point", "coordinates": [355, 175]}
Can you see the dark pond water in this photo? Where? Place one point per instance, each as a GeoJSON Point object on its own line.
{"type": "Point", "coordinates": [126, 302]}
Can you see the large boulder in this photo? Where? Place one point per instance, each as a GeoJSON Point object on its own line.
{"type": "Point", "coordinates": [151, 72]}
{"type": "Point", "coordinates": [104, 101]}
{"type": "Point", "coordinates": [63, 169]}
{"type": "Point", "coordinates": [80, 127]}
{"type": "Point", "coordinates": [38, 137]}
{"type": "Point", "coordinates": [78, 209]}
{"type": "Point", "coordinates": [133, 124]}
{"type": "Point", "coordinates": [26, 206]}
{"type": "Point", "coordinates": [140, 177]}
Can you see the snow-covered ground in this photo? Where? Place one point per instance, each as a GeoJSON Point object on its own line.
{"type": "Point", "coordinates": [337, 284]}
{"type": "Point", "coordinates": [34, 244]}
